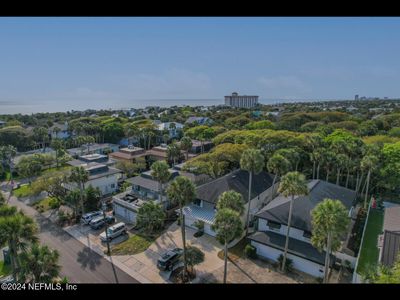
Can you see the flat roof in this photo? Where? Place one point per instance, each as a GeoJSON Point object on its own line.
{"type": "Point", "coordinates": [391, 220]}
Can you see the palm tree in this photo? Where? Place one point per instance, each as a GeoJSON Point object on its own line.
{"type": "Point", "coordinates": [16, 231]}
{"type": "Point", "coordinates": [316, 157]}
{"type": "Point", "coordinates": [150, 217]}
{"type": "Point", "coordinates": [159, 170]}
{"type": "Point", "coordinates": [40, 264]}
{"type": "Point", "coordinates": [186, 145]}
{"type": "Point", "coordinates": [7, 153]}
{"type": "Point", "coordinates": [80, 176]}
{"type": "Point", "coordinates": [59, 147]}
{"type": "Point", "coordinates": [232, 200]}
{"type": "Point", "coordinates": [368, 163]}
{"type": "Point", "coordinates": [328, 159]}
{"type": "Point", "coordinates": [329, 220]}
{"type": "Point", "coordinates": [42, 135]}
{"type": "Point", "coordinates": [182, 191]}
{"type": "Point", "coordinates": [253, 162]}
{"type": "Point", "coordinates": [131, 130]}
{"type": "Point", "coordinates": [342, 162]}
{"type": "Point", "coordinates": [173, 152]}
{"type": "Point", "coordinates": [292, 184]}
{"type": "Point", "coordinates": [277, 165]}
{"type": "Point", "coordinates": [228, 226]}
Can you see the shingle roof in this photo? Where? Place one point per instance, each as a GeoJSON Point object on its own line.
{"type": "Point", "coordinates": [238, 181]}
{"type": "Point", "coordinates": [278, 209]}
{"type": "Point", "coordinates": [391, 247]}
{"type": "Point", "coordinates": [295, 247]}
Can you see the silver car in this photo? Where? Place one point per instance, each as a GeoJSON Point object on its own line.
{"type": "Point", "coordinates": [86, 218]}
{"type": "Point", "coordinates": [113, 232]}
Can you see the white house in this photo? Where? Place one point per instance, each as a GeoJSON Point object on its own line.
{"type": "Point", "coordinates": [101, 176]}
{"type": "Point", "coordinates": [144, 188]}
{"type": "Point", "coordinates": [172, 127]}
{"type": "Point", "coordinates": [59, 131]}
{"type": "Point", "coordinates": [204, 207]}
{"type": "Point", "coordinates": [269, 240]}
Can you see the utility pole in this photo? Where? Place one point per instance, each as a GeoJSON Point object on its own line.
{"type": "Point", "coordinates": [104, 206]}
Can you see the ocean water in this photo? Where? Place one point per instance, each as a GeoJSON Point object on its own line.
{"type": "Point", "coordinates": [29, 107]}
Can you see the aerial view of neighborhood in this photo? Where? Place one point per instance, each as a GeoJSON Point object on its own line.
{"type": "Point", "coordinates": [199, 150]}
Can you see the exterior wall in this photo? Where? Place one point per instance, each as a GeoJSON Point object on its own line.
{"type": "Point", "coordinates": [189, 222]}
{"type": "Point", "coordinates": [293, 233]}
{"type": "Point", "coordinates": [124, 213]}
{"type": "Point", "coordinates": [299, 263]}
{"type": "Point", "coordinates": [106, 184]}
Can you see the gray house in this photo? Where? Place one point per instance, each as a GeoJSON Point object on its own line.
{"type": "Point", "coordinates": [204, 207]}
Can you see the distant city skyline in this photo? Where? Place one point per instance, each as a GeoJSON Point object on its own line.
{"type": "Point", "coordinates": [61, 64]}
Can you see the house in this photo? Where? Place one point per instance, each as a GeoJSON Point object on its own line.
{"type": "Point", "coordinates": [158, 153]}
{"type": "Point", "coordinates": [101, 176]}
{"type": "Point", "coordinates": [199, 120]}
{"type": "Point", "coordinates": [93, 148]}
{"type": "Point", "coordinates": [197, 179]}
{"type": "Point", "coordinates": [2, 123]}
{"type": "Point", "coordinates": [197, 146]}
{"type": "Point", "coordinates": [204, 207]}
{"type": "Point", "coordinates": [59, 131]}
{"type": "Point", "coordinates": [173, 128]}
{"type": "Point", "coordinates": [389, 241]}
{"type": "Point", "coordinates": [129, 153]}
{"type": "Point", "coordinates": [270, 237]}
{"type": "Point", "coordinates": [144, 188]}
{"type": "Point", "coordinates": [90, 158]}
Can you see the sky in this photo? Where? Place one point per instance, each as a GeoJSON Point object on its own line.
{"type": "Point", "coordinates": [66, 63]}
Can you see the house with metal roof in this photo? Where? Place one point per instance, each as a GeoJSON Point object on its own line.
{"type": "Point", "coordinates": [204, 207]}
{"type": "Point", "coordinates": [272, 221]}
{"type": "Point", "coordinates": [389, 241]}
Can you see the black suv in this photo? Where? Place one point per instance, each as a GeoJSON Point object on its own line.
{"type": "Point", "coordinates": [169, 259]}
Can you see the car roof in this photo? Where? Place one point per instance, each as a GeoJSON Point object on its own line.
{"type": "Point", "coordinates": [99, 218]}
{"type": "Point", "coordinates": [120, 224]}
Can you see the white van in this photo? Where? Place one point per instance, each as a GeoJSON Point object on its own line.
{"type": "Point", "coordinates": [113, 232]}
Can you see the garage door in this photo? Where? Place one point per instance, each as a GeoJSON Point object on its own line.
{"type": "Point", "coordinates": [299, 263]}
{"type": "Point", "coordinates": [124, 213]}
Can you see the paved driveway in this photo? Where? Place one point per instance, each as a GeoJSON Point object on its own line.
{"type": "Point", "coordinates": [144, 264]}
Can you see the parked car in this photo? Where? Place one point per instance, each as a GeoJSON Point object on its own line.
{"type": "Point", "coordinates": [113, 232]}
{"type": "Point", "coordinates": [100, 221]}
{"type": "Point", "coordinates": [86, 218]}
{"type": "Point", "coordinates": [169, 259]}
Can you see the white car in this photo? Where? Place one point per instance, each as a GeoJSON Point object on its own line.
{"type": "Point", "coordinates": [86, 218]}
{"type": "Point", "coordinates": [113, 232]}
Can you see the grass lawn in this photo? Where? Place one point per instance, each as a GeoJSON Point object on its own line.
{"type": "Point", "coordinates": [369, 250]}
{"type": "Point", "coordinates": [43, 205]}
{"type": "Point", "coordinates": [23, 191]}
{"type": "Point", "coordinates": [135, 244]}
{"type": "Point", "coordinates": [4, 270]}
{"type": "Point", "coordinates": [236, 251]}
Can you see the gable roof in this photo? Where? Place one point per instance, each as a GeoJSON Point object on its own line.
{"type": "Point", "coordinates": [238, 181]}
{"type": "Point", "coordinates": [391, 247]}
{"type": "Point", "coordinates": [278, 209]}
{"type": "Point", "coordinates": [295, 246]}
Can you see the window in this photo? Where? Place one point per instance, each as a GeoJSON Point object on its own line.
{"type": "Point", "coordinates": [197, 202]}
{"type": "Point", "coordinates": [307, 234]}
{"type": "Point", "coordinates": [274, 225]}
{"type": "Point", "coordinates": [113, 185]}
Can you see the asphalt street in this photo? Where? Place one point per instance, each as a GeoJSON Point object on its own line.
{"type": "Point", "coordinates": [79, 263]}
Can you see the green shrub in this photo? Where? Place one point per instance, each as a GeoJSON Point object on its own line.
{"type": "Point", "coordinates": [250, 251]}
{"type": "Point", "coordinates": [54, 203]}
{"type": "Point", "coordinates": [288, 265]}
